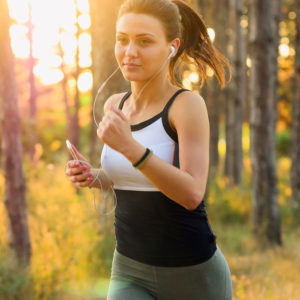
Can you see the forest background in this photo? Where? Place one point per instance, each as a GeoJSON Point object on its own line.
{"type": "Point", "coordinates": [54, 55]}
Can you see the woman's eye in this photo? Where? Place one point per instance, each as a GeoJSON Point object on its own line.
{"type": "Point", "coordinates": [121, 40]}
{"type": "Point", "coordinates": [144, 42]}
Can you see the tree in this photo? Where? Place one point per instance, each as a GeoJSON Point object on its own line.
{"type": "Point", "coordinates": [295, 170]}
{"type": "Point", "coordinates": [33, 90]}
{"type": "Point", "coordinates": [263, 43]}
{"type": "Point", "coordinates": [74, 128]}
{"type": "Point", "coordinates": [15, 201]}
{"type": "Point", "coordinates": [210, 91]}
{"type": "Point", "coordinates": [236, 95]}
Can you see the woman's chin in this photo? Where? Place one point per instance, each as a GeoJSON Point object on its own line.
{"type": "Point", "coordinates": [131, 76]}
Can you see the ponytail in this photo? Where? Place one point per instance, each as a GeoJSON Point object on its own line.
{"type": "Point", "coordinates": [197, 45]}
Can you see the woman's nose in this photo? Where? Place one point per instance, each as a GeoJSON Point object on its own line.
{"type": "Point", "coordinates": [131, 49]}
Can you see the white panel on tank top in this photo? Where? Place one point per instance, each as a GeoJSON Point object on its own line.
{"type": "Point", "coordinates": [120, 169]}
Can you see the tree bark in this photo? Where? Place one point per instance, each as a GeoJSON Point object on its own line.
{"type": "Point", "coordinates": [15, 201]}
{"type": "Point", "coordinates": [210, 91]}
{"type": "Point", "coordinates": [295, 169]}
{"type": "Point", "coordinates": [263, 42]}
{"type": "Point", "coordinates": [234, 119]}
{"type": "Point", "coordinates": [220, 25]}
{"type": "Point", "coordinates": [74, 129]}
{"type": "Point", "coordinates": [33, 91]}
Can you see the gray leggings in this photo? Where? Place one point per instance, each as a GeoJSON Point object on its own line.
{"type": "Point", "coordinates": [132, 280]}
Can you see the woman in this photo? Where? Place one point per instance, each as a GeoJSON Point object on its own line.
{"type": "Point", "coordinates": [156, 155]}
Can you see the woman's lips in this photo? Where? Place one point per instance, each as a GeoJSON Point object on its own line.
{"type": "Point", "coordinates": [130, 66]}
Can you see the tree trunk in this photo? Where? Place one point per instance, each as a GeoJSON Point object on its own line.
{"type": "Point", "coordinates": [295, 170]}
{"type": "Point", "coordinates": [211, 92]}
{"type": "Point", "coordinates": [74, 129]}
{"type": "Point", "coordinates": [263, 105]}
{"type": "Point", "coordinates": [33, 91]}
{"type": "Point", "coordinates": [15, 201]}
{"type": "Point", "coordinates": [64, 87]}
{"type": "Point", "coordinates": [234, 120]}
{"type": "Point", "coordinates": [104, 15]}
{"type": "Point", "coordinates": [220, 25]}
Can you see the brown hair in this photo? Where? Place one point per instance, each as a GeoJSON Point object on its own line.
{"type": "Point", "coordinates": [181, 21]}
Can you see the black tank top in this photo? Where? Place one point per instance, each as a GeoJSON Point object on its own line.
{"type": "Point", "coordinates": [150, 227]}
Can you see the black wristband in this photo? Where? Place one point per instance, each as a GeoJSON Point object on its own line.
{"type": "Point", "coordinates": [146, 154]}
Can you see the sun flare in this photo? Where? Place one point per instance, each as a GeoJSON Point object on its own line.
{"type": "Point", "coordinates": [54, 36]}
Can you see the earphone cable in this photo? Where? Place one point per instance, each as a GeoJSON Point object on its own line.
{"type": "Point", "coordinates": [97, 178]}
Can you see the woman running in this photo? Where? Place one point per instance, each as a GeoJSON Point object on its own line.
{"type": "Point", "coordinates": [156, 156]}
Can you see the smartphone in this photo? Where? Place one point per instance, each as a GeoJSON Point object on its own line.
{"type": "Point", "coordinates": [69, 146]}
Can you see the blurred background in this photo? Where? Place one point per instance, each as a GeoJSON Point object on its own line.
{"type": "Point", "coordinates": [53, 57]}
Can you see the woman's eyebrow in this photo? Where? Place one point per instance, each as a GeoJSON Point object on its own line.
{"type": "Point", "coordinates": [138, 35]}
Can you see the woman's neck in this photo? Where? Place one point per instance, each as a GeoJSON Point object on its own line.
{"type": "Point", "coordinates": [154, 91]}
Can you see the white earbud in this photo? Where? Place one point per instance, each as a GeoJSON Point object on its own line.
{"type": "Point", "coordinates": [172, 52]}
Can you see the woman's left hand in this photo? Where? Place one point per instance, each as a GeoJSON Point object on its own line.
{"type": "Point", "coordinates": [114, 130]}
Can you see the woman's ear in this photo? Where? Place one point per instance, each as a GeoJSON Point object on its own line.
{"type": "Point", "coordinates": [175, 44]}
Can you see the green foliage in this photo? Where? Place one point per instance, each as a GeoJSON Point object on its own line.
{"type": "Point", "coordinates": [72, 246]}
{"type": "Point", "coordinates": [85, 100]}
{"type": "Point", "coordinates": [230, 203]}
{"type": "Point", "coordinates": [67, 243]}
{"type": "Point", "coordinates": [14, 281]}
{"type": "Point", "coordinates": [283, 143]}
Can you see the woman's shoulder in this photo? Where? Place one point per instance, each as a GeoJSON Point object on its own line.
{"type": "Point", "coordinates": [188, 106]}
{"type": "Point", "coordinates": [113, 100]}
{"type": "Point", "coordinates": [188, 97]}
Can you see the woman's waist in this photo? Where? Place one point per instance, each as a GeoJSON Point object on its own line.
{"type": "Point", "coordinates": [144, 227]}
{"type": "Point", "coordinates": [159, 244]}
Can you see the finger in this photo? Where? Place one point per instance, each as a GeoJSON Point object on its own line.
{"type": "Point", "coordinates": [74, 164]}
{"type": "Point", "coordinates": [109, 117]}
{"type": "Point", "coordinates": [87, 183]}
{"type": "Point", "coordinates": [77, 170]}
{"type": "Point", "coordinates": [81, 177]}
{"type": "Point", "coordinates": [82, 184]}
{"type": "Point", "coordinates": [69, 164]}
{"type": "Point", "coordinates": [118, 112]}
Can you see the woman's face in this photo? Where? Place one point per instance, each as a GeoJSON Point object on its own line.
{"type": "Point", "coordinates": [141, 46]}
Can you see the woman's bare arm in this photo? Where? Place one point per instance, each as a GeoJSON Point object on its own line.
{"type": "Point", "coordinates": [186, 185]}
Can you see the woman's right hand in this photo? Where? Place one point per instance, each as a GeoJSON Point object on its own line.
{"type": "Point", "coordinates": [79, 173]}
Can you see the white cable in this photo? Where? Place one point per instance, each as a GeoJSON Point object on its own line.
{"type": "Point", "coordinates": [99, 91]}
{"type": "Point", "coordinates": [91, 185]}
{"type": "Point", "coordinates": [96, 123]}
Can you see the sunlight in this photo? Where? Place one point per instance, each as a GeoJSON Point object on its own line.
{"type": "Point", "coordinates": [21, 47]}
{"type": "Point", "coordinates": [85, 47]}
{"type": "Point", "coordinates": [211, 34]}
{"type": "Point", "coordinates": [18, 10]}
{"type": "Point", "coordinates": [249, 62]}
{"type": "Point", "coordinates": [244, 22]}
{"type": "Point", "coordinates": [187, 84]}
{"type": "Point", "coordinates": [284, 50]}
{"type": "Point", "coordinates": [52, 27]}
{"type": "Point", "coordinates": [69, 45]}
{"type": "Point", "coordinates": [85, 61]}
{"type": "Point", "coordinates": [85, 43]}
{"type": "Point", "coordinates": [85, 81]}
{"type": "Point", "coordinates": [209, 72]}
{"type": "Point", "coordinates": [83, 6]}
{"type": "Point", "coordinates": [194, 77]}
{"type": "Point", "coordinates": [19, 42]}
{"type": "Point", "coordinates": [45, 39]}
{"type": "Point", "coordinates": [84, 21]}
{"type": "Point", "coordinates": [48, 76]}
